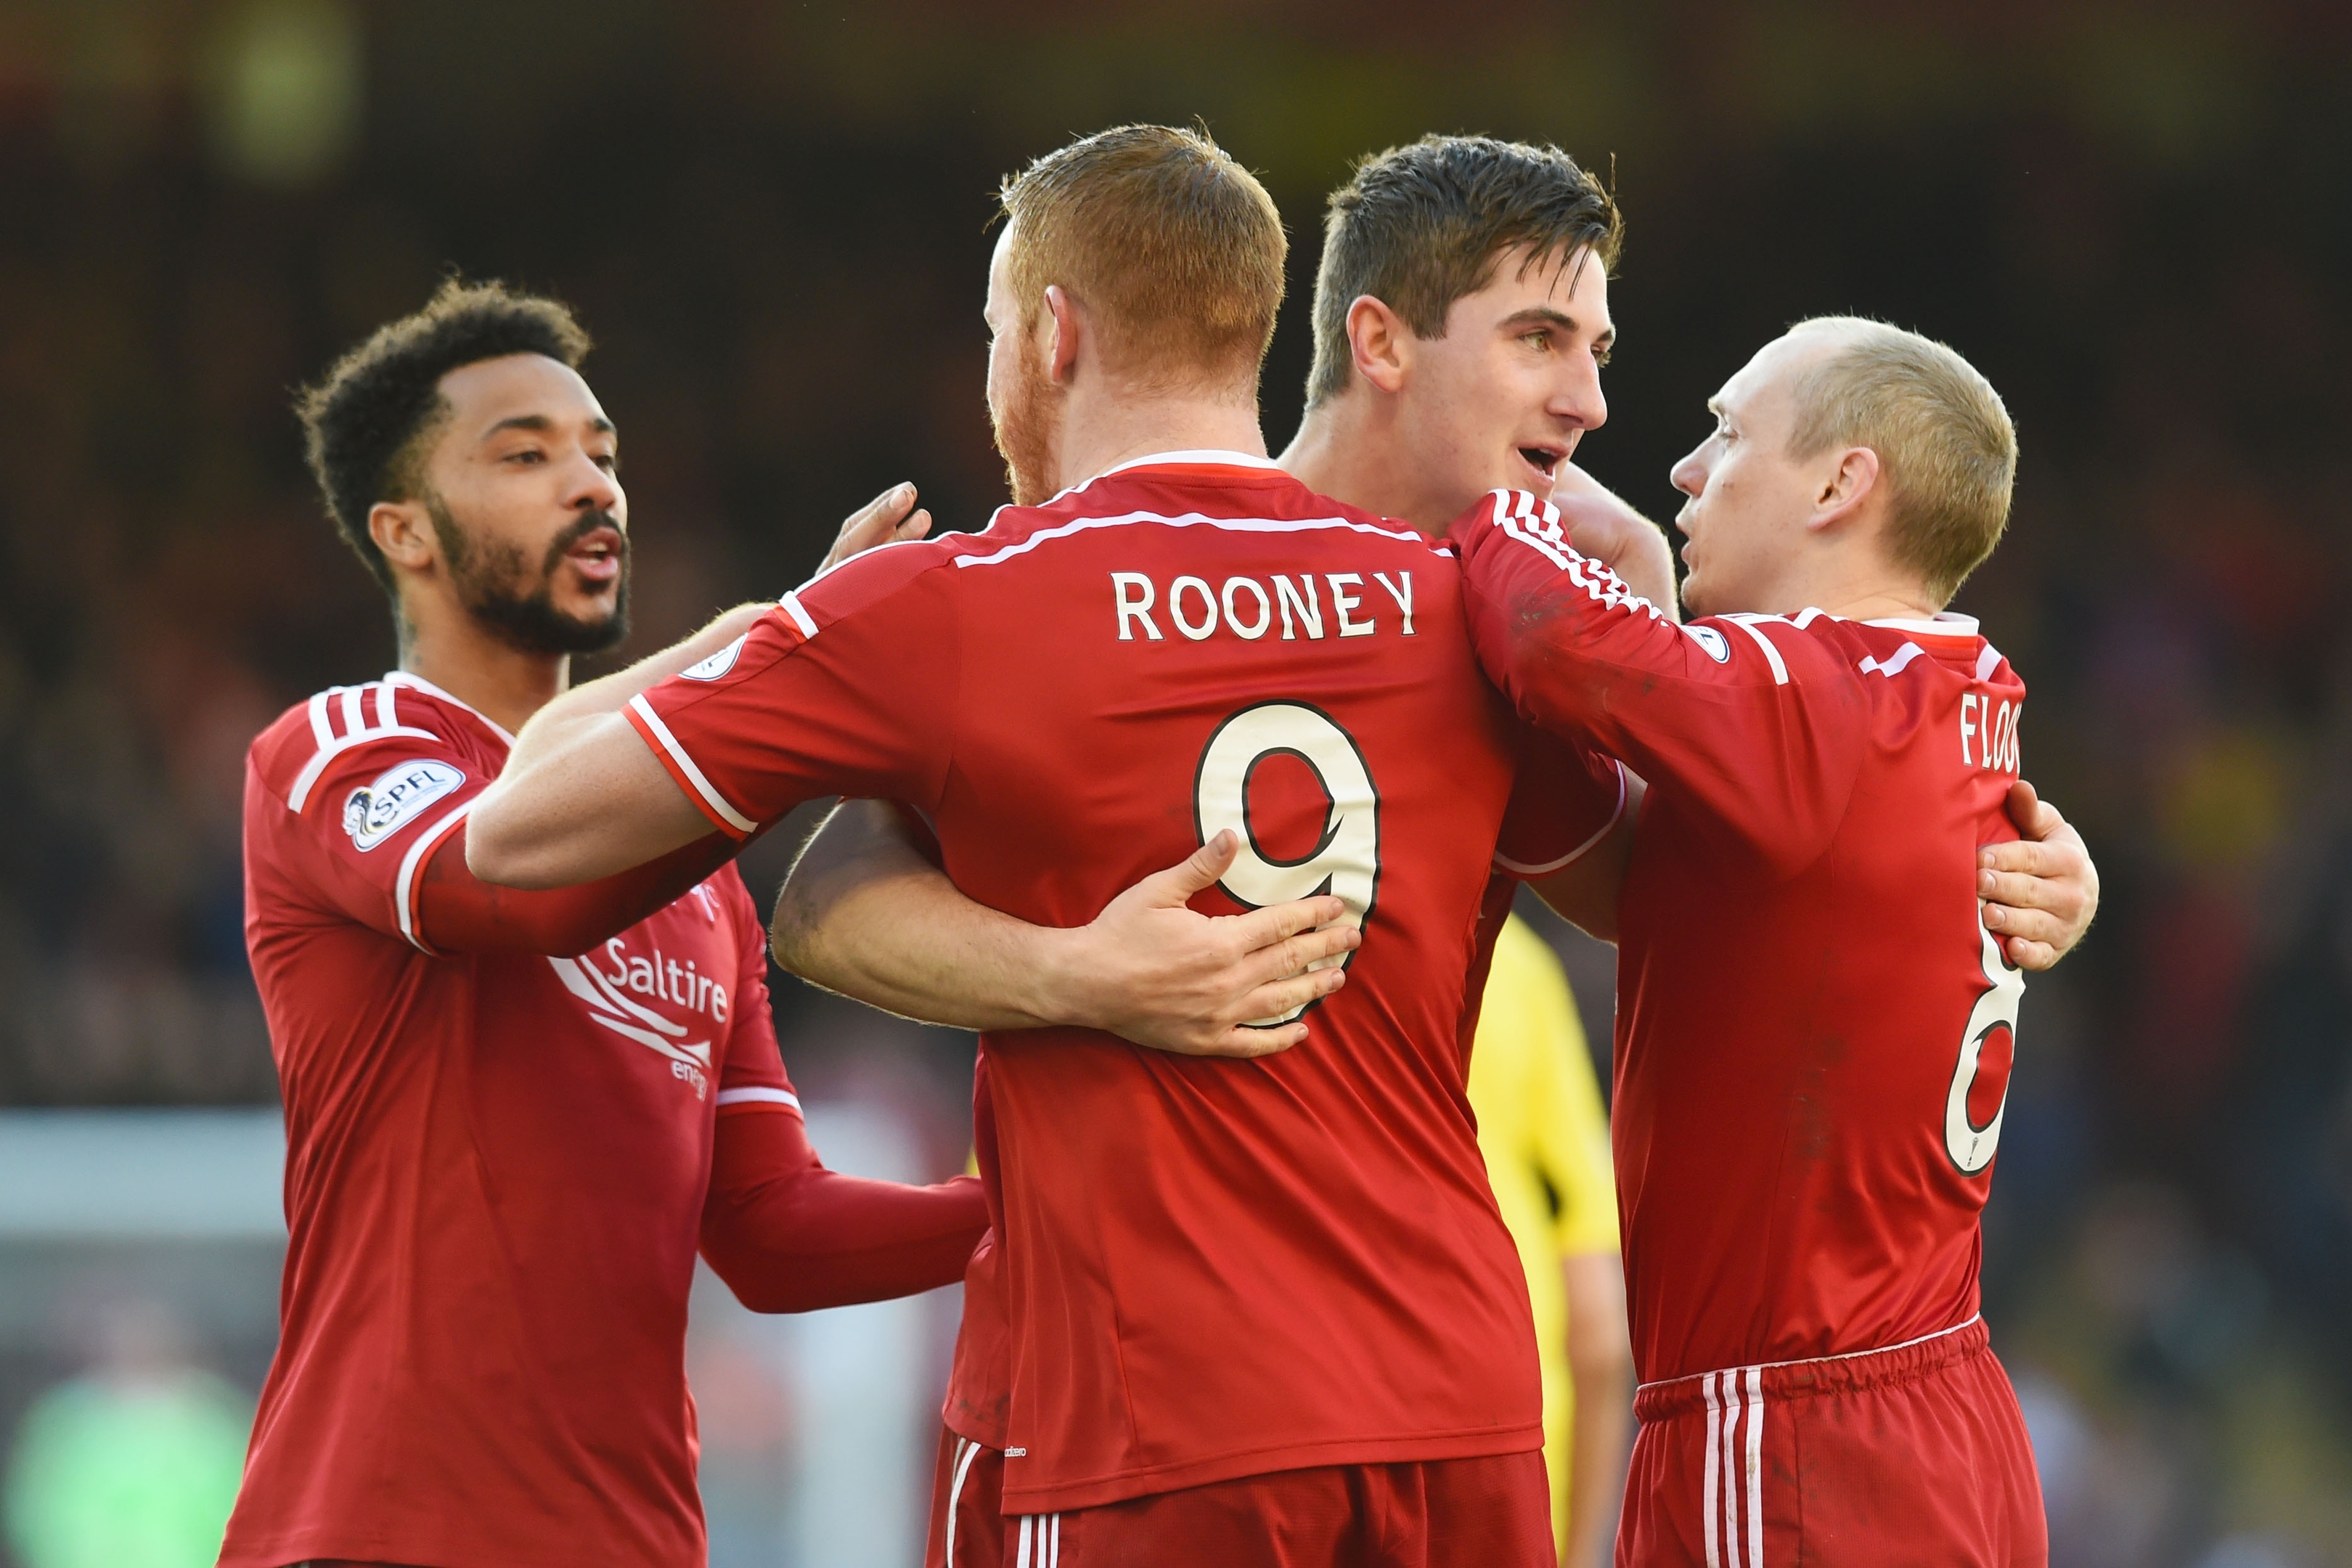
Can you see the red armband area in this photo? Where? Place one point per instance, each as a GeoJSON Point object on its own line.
{"type": "Point", "coordinates": [789, 1236]}
{"type": "Point", "coordinates": [459, 912]}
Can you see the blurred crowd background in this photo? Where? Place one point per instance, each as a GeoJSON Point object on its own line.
{"type": "Point", "coordinates": [2136, 218]}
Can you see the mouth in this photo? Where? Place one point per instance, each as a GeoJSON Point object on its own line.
{"type": "Point", "coordinates": [596, 555]}
{"type": "Point", "coordinates": [1545, 461]}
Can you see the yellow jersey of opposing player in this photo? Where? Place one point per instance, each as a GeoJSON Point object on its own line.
{"type": "Point", "coordinates": [1546, 1140]}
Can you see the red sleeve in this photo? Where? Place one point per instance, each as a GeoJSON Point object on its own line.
{"type": "Point", "coordinates": [786, 1234]}
{"type": "Point", "coordinates": [1757, 728]}
{"type": "Point", "coordinates": [789, 1236]}
{"type": "Point", "coordinates": [456, 912]}
{"type": "Point", "coordinates": [368, 796]}
{"type": "Point", "coordinates": [1564, 800]}
{"type": "Point", "coordinates": [847, 687]}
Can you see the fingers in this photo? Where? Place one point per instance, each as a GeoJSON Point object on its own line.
{"type": "Point", "coordinates": [917, 526]}
{"type": "Point", "coordinates": [1278, 922]}
{"type": "Point", "coordinates": [1245, 1043]}
{"type": "Point", "coordinates": [2026, 925]}
{"type": "Point", "coordinates": [1275, 997]}
{"type": "Point", "coordinates": [2030, 890]}
{"type": "Point", "coordinates": [1198, 871]}
{"type": "Point", "coordinates": [2033, 955]}
{"type": "Point", "coordinates": [874, 523]}
{"type": "Point", "coordinates": [1293, 955]}
{"type": "Point", "coordinates": [2054, 857]}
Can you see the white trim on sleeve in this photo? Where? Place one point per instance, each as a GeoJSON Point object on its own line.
{"type": "Point", "coordinates": [759, 1095]}
{"type": "Point", "coordinates": [711, 796]}
{"type": "Point", "coordinates": [404, 890]}
{"type": "Point", "coordinates": [1579, 853]}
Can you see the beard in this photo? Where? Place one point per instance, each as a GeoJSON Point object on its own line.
{"type": "Point", "coordinates": [1023, 433]}
{"type": "Point", "coordinates": [499, 590]}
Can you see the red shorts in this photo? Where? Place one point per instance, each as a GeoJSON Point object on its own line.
{"type": "Point", "coordinates": [1494, 1512]}
{"type": "Point", "coordinates": [967, 1489]}
{"type": "Point", "coordinates": [1915, 1455]}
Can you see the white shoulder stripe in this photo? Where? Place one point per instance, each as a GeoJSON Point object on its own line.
{"type": "Point", "coordinates": [1988, 661]}
{"type": "Point", "coordinates": [711, 797]}
{"type": "Point", "coordinates": [1186, 519]}
{"type": "Point", "coordinates": [763, 1096]}
{"type": "Point", "coordinates": [1771, 654]}
{"type": "Point", "coordinates": [404, 890]}
{"type": "Point", "coordinates": [1892, 667]}
{"type": "Point", "coordinates": [790, 604]}
{"type": "Point", "coordinates": [351, 702]}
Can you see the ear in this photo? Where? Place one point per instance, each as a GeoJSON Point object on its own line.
{"type": "Point", "coordinates": [1846, 490]}
{"type": "Point", "coordinates": [1062, 325]}
{"type": "Point", "coordinates": [402, 530]}
{"type": "Point", "coordinates": [1380, 343]}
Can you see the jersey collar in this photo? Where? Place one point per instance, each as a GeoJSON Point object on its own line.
{"type": "Point", "coordinates": [1943, 624]}
{"type": "Point", "coordinates": [401, 678]}
{"type": "Point", "coordinates": [1205, 457]}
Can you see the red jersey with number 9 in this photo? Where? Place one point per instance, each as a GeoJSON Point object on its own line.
{"type": "Point", "coordinates": [1814, 1029]}
{"type": "Point", "coordinates": [1206, 1269]}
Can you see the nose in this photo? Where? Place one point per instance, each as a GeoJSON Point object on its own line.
{"type": "Point", "coordinates": [1578, 401]}
{"type": "Point", "coordinates": [594, 488]}
{"type": "Point", "coordinates": [1689, 476]}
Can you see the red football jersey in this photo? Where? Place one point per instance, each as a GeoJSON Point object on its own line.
{"type": "Point", "coordinates": [1813, 1027]}
{"type": "Point", "coordinates": [1208, 1268]}
{"type": "Point", "coordinates": [496, 1165]}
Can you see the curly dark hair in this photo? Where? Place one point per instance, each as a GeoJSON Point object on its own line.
{"type": "Point", "coordinates": [365, 426]}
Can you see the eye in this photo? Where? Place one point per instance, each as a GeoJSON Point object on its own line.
{"type": "Point", "coordinates": [1600, 356]}
{"type": "Point", "coordinates": [528, 455]}
{"type": "Point", "coordinates": [1539, 339]}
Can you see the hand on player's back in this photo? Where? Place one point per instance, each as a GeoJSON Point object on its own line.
{"type": "Point", "coordinates": [886, 518]}
{"type": "Point", "coordinates": [1151, 970]}
{"type": "Point", "coordinates": [2040, 892]}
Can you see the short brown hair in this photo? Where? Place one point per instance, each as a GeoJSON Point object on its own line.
{"type": "Point", "coordinates": [1418, 227]}
{"type": "Point", "coordinates": [1174, 248]}
{"type": "Point", "coordinates": [1946, 449]}
{"type": "Point", "coordinates": [362, 424]}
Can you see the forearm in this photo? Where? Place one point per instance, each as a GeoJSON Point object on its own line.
{"type": "Point", "coordinates": [1600, 1369]}
{"type": "Point", "coordinates": [580, 797]}
{"type": "Point", "coordinates": [789, 1236]}
{"type": "Point", "coordinates": [1600, 1433]}
{"type": "Point", "coordinates": [544, 740]}
{"type": "Point", "coordinates": [459, 912]}
{"type": "Point", "coordinates": [864, 915]}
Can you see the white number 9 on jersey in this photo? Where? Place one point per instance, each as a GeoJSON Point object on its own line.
{"type": "Point", "coordinates": [1346, 858]}
{"type": "Point", "coordinates": [1988, 1051]}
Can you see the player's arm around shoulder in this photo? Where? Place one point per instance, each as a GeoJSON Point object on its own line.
{"type": "Point", "coordinates": [1751, 722]}
{"type": "Point", "coordinates": [581, 796]}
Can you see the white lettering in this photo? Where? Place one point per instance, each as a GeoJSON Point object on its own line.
{"type": "Point", "coordinates": [719, 1001]}
{"type": "Point", "coordinates": [1310, 608]}
{"type": "Point", "coordinates": [641, 976]}
{"type": "Point", "coordinates": [1138, 609]}
{"type": "Point", "coordinates": [1401, 592]}
{"type": "Point", "coordinates": [1208, 607]}
{"type": "Point", "coordinates": [619, 978]}
{"type": "Point", "coordinates": [1342, 603]}
{"type": "Point", "coordinates": [1264, 609]}
{"type": "Point", "coordinates": [1967, 726]}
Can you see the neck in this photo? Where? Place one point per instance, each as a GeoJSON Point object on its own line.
{"type": "Point", "coordinates": [1347, 448]}
{"type": "Point", "coordinates": [1888, 604]}
{"type": "Point", "coordinates": [456, 653]}
{"type": "Point", "coordinates": [1101, 433]}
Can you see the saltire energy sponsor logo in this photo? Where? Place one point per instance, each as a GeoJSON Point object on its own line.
{"type": "Point", "coordinates": [607, 993]}
{"type": "Point", "coordinates": [375, 812]}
